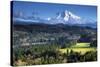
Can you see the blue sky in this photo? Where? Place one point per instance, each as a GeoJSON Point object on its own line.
{"type": "Point", "coordinates": [45, 10]}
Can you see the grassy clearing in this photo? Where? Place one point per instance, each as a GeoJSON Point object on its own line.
{"type": "Point", "coordinates": [81, 45]}
{"type": "Point", "coordinates": [81, 50]}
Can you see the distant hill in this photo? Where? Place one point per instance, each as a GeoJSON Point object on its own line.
{"type": "Point", "coordinates": [42, 27]}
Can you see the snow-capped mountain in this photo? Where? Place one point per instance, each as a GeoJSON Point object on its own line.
{"type": "Point", "coordinates": [65, 17]}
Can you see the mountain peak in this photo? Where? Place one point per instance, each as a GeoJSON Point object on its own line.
{"type": "Point", "coordinates": [66, 15]}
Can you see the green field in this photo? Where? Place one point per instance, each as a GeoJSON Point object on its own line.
{"type": "Point", "coordinates": [79, 47]}
{"type": "Point", "coordinates": [81, 50]}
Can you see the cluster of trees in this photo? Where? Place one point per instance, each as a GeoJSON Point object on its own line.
{"type": "Point", "coordinates": [93, 43]}
{"type": "Point", "coordinates": [49, 54]}
{"type": "Point", "coordinates": [78, 57]}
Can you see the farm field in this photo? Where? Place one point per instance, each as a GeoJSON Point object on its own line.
{"type": "Point", "coordinates": [79, 47]}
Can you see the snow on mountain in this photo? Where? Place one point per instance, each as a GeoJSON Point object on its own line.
{"type": "Point", "coordinates": [67, 17]}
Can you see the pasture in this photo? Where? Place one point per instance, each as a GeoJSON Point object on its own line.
{"type": "Point", "coordinates": [79, 47]}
